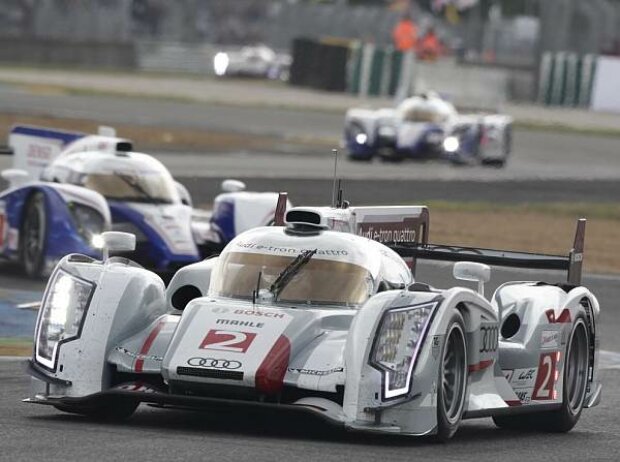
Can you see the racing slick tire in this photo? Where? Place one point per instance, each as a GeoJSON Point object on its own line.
{"type": "Point", "coordinates": [565, 418]}
{"type": "Point", "coordinates": [452, 379]}
{"type": "Point", "coordinates": [113, 410]}
{"type": "Point", "coordinates": [32, 236]}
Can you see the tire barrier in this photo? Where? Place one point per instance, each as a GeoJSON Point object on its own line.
{"type": "Point", "coordinates": [362, 69]}
{"type": "Point", "coordinates": [318, 65]}
{"type": "Point", "coordinates": [565, 79]}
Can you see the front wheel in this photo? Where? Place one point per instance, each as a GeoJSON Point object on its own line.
{"type": "Point", "coordinates": [32, 236]}
{"type": "Point", "coordinates": [565, 418]}
{"type": "Point", "coordinates": [452, 389]}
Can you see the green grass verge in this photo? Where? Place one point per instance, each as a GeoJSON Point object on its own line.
{"type": "Point", "coordinates": [15, 346]}
{"type": "Point", "coordinates": [605, 210]}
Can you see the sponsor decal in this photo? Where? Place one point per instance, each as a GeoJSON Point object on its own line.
{"type": "Point", "coordinates": [525, 396]}
{"type": "Point", "coordinates": [508, 374]}
{"type": "Point", "coordinates": [138, 387]}
{"type": "Point", "coordinates": [214, 363]}
{"type": "Point", "coordinates": [227, 340]}
{"type": "Point", "coordinates": [236, 322]}
{"type": "Point", "coordinates": [260, 314]}
{"type": "Point", "coordinates": [38, 152]}
{"type": "Point", "coordinates": [547, 377]}
{"type": "Point", "coordinates": [564, 316]}
{"type": "Point", "coordinates": [523, 378]}
{"type": "Point", "coordinates": [436, 346]}
{"type": "Point", "coordinates": [550, 339]}
{"type": "Point", "coordinates": [314, 372]}
{"type": "Point", "coordinates": [134, 355]}
{"type": "Point", "coordinates": [290, 250]}
{"type": "Point", "coordinates": [403, 231]}
{"type": "Point", "coordinates": [489, 338]}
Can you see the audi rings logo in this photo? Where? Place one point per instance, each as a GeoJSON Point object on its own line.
{"type": "Point", "coordinates": [212, 363]}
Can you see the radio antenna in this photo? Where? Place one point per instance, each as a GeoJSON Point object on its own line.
{"type": "Point", "coordinates": [335, 152]}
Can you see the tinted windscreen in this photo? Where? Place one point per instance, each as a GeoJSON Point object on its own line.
{"type": "Point", "coordinates": [319, 281]}
{"type": "Point", "coordinates": [151, 188]}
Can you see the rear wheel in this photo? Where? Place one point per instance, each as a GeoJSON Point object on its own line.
{"type": "Point", "coordinates": [32, 236]}
{"type": "Point", "coordinates": [575, 384]}
{"type": "Point", "coordinates": [452, 380]}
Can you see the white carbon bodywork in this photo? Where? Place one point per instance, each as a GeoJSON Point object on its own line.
{"type": "Point", "coordinates": [194, 341]}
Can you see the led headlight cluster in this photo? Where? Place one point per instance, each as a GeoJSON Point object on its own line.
{"type": "Point", "coordinates": [399, 338]}
{"type": "Point", "coordinates": [64, 306]}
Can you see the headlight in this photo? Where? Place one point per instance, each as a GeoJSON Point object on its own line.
{"type": "Point", "coordinates": [451, 144]}
{"type": "Point", "coordinates": [399, 338]}
{"type": "Point", "coordinates": [357, 133]}
{"type": "Point", "coordinates": [220, 63]}
{"type": "Point", "coordinates": [88, 222]}
{"type": "Point", "coordinates": [62, 313]}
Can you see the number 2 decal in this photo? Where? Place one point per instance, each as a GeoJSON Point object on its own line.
{"type": "Point", "coordinates": [544, 389]}
{"type": "Point", "coordinates": [227, 340]}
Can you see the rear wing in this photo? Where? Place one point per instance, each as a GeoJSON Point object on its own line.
{"type": "Point", "coordinates": [571, 263]}
{"type": "Point", "coordinates": [406, 225]}
{"type": "Point", "coordinates": [34, 148]}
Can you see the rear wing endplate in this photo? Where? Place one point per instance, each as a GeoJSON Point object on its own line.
{"type": "Point", "coordinates": [571, 263]}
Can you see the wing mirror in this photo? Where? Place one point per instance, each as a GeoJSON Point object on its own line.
{"type": "Point", "coordinates": [476, 272]}
{"type": "Point", "coordinates": [184, 195]}
{"type": "Point", "coordinates": [233, 186]}
{"type": "Point", "coordinates": [15, 176]}
{"type": "Point", "coordinates": [115, 241]}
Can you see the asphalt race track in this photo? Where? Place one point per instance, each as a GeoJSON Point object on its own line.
{"type": "Point", "coordinates": [545, 167]}
{"type": "Point", "coordinates": [30, 432]}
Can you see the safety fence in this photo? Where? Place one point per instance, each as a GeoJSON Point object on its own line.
{"type": "Point", "coordinates": [566, 79]}
{"type": "Point", "coordinates": [350, 66]}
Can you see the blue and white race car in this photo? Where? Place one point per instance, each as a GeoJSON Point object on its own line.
{"type": "Point", "coordinates": [67, 188]}
{"type": "Point", "coordinates": [427, 126]}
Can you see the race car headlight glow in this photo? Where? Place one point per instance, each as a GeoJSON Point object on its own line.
{"type": "Point", "coordinates": [220, 63]}
{"type": "Point", "coordinates": [361, 138]}
{"type": "Point", "coordinates": [399, 338]}
{"type": "Point", "coordinates": [64, 305]}
{"type": "Point", "coordinates": [88, 222]}
{"type": "Point", "coordinates": [451, 144]}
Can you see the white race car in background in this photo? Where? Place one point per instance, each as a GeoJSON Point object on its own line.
{"type": "Point", "coordinates": [253, 61]}
{"type": "Point", "coordinates": [67, 188]}
{"type": "Point", "coordinates": [316, 317]}
{"type": "Point", "coordinates": [427, 126]}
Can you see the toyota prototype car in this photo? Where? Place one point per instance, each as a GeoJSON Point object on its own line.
{"type": "Point", "coordinates": [67, 188]}
{"type": "Point", "coordinates": [320, 317]}
{"type": "Point", "coordinates": [427, 126]}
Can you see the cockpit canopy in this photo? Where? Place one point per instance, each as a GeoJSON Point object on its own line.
{"type": "Point", "coordinates": [428, 108]}
{"type": "Point", "coordinates": [131, 177]}
{"type": "Point", "coordinates": [345, 270]}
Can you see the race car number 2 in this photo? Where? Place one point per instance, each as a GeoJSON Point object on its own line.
{"type": "Point", "coordinates": [544, 388]}
{"type": "Point", "coordinates": [227, 340]}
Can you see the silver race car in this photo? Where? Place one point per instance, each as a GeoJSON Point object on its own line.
{"type": "Point", "coordinates": [324, 316]}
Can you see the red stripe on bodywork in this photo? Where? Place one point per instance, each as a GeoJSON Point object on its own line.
{"type": "Point", "coordinates": [480, 366]}
{"type": "Point", "coordinates": [270, 374]}
{"type": "Point", "coordinates": [146, 346]}
{"type": "Point", "coordinates": [513, 403]}
{"type": "Point", "coordinates": [564, 316]}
